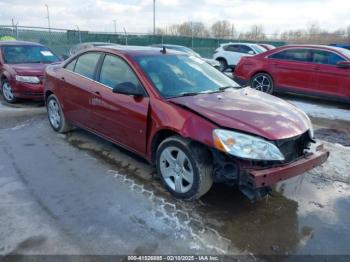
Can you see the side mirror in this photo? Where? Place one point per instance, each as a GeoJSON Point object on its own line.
{"type": "Point", "coordinates": [343, 64]}
{"type": "Point", "coordinates": [251, 52]}
{"type": "Point", "coordinates": [128, 88]}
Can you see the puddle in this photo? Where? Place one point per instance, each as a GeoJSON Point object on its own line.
{"type": "Point", "coordinates": [333, 136]}
{"type": "Point", "coordinates": [22, 104]}
{"type": "Point", "coordinates": [306, 214]}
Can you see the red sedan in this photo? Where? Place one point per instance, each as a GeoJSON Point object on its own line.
{"type": "Point", "coordinates": [195, 124]}
{"type": "Point", "coordinates": [322, 71]}
{"type": "Point", "coordinates": [22, 66]}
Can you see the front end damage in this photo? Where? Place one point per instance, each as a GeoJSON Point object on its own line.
{"type": "Point", "coordinates": [255, 178]}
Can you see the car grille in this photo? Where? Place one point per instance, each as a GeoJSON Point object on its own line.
{"type": "Point", "coordinates": [293, 148]}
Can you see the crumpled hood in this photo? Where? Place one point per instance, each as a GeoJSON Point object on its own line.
{"type": "Point", "coordinates": [36, 69]}
{"type": "Point", "coordinates": [250, 111]}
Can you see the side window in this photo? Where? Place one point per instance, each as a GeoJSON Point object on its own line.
{"type": "Point", "coordinates": [71, 65]}
{"type": "Point", "coordinates": [245, 49]}
{"type": "Point", "coordinates": [231, 48]}
{"type": "Point", "coordinates": [86, 64]}
{"type": "Point", "coordinates": [325, 57]}
{"type": "Point", "coordinates": [279, 55]}
{"type": "Point", "coordinates": [299, 55]}
{"type": "Point", "coordinates": [115, 70]}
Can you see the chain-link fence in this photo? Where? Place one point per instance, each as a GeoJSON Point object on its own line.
{"type": "Point", "coordinates": [60, 40]}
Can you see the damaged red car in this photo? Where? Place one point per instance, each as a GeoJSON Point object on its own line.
{"type": "Point", "coordinates": [195, 124]}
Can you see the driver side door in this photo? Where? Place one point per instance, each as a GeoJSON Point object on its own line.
{"type": "Point", "coordinates": [121, 118]}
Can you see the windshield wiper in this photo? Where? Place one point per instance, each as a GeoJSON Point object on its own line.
{"type": "Point", "coordinates": [192, 93]}
{"type": "Point", "coordinates": [225, 87]}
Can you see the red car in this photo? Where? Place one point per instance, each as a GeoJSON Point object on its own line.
{"type": "Point", "coordinates": [22, 67]}
{"type": "Point", "coordinates": [195, 124]}
{"type": "Point", "coordinates": [316, 70]}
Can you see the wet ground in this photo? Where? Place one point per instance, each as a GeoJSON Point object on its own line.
{"type": "Point", "coordinates": [78, 194]}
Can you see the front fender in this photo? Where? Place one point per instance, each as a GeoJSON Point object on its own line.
{"type": "Point", "coordinates": [179, 120]}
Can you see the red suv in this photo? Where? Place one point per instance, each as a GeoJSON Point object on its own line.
{"type": "Point", "coordinates": [22, 66]}
{"type": "Point", "coordinates": [195, 124]}
{"type": "Point", "coordinates": [322, 71]}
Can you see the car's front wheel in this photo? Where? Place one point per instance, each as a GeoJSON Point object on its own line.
{"type": "Point", "coordinates": [262, 82]}
{"type": "Point", "coordinates": [7, 92]}
{"type": "Point", "coordinates": [185, 168]}
{"type": "Point", "coordinates": [56, 116]}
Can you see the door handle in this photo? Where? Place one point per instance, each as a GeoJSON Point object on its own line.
{"type": "Point", "coordinates": [63, 79]}
{"type": "Point", "coordinates": [97, 93]}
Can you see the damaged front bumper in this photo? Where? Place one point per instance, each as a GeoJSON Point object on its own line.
{"type": "Point", "coordinates": [255, 181]}
{"type": "Point", "coordinates": [271, 176]}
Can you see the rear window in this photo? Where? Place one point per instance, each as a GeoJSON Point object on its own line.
{"type": "Point", "coordinates": [24, 54]}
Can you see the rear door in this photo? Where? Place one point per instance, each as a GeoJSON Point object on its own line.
{"type": "Point", "coordinates": [122, 118]}
{"type": "Point", "coordinates": [292, 69]}
{"type": "Point", "coordinates": [331, 79]}
{"type": "Point", "coordinates": [77, 82]}
{"type": "Point", "coordinates": [232, 54]}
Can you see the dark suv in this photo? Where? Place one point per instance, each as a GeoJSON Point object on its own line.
{"type": "Point", "coordinates": [22, 66]}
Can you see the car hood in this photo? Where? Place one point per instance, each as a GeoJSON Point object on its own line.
{"type": "Point", "coordinates": [249, 111]}
{"type": "Point", "coordinates": [213, 62]}
{"type": "Point", "coordinates": [36, 69]}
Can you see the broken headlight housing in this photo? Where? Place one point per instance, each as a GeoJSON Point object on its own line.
{"type": "Point", "coordinates": [246, 146]}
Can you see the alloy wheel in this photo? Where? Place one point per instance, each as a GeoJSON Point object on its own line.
{"type": "Point", "coordinates": [7, 91]}
{"type": "Point", "coordinates": [54, 113]}
{"type": "Point", "coordinates": [176, 169]}
{"type": "Point", "coordinates": [262, 83]}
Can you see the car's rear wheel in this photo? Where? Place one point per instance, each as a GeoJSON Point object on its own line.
{"type": "Point", "coordinates": [223, 64]}
{"type": "Point", "coordinates": [7, 92]}
{"type": "Point", "coordinates": [56, 116]}
{"type": "Point", "coordinates": [185, 168]}
{"type": "Point", "coordinates": [262, 82]}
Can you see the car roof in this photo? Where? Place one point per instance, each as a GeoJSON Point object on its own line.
{"type": "Point", "coordinates": [16, 42]}
{"type": "Point", "coordinates": [161, 45]}
{"type": "Point", "coordinates": [238, 43]}
{"type": "Point", "coordinates": [136, 50]}
{"type": "Point", "coordinates": [311, 46]}
{"type": "Point", "coordinates": [97, 43]}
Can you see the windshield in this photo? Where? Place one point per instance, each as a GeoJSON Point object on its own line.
{"type": "Point", "coordinates": [178, 75]}
{"type": "Point", "coordinates": [28, 54]}
{"type": "Point", "coordinates": [258, 49]}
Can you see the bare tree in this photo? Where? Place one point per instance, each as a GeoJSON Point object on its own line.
{"type": "Point", "coordinates": [195, 29]}
{"type": "Point", "coordinates": [223, 29]}
{"type": "Point", "coordinates": [256, 33]}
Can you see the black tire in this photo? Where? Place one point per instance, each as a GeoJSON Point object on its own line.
{"type": "Point", "coordinates": [262, 82]}
{"type": "Point", "coordinates": [223, 64]}
{"type": "Point", "coordinates": [7, 98]}
{"type": "Point", "coordinates": [200, 160]}
{"type": "Point", "coordinates": [63, 126]}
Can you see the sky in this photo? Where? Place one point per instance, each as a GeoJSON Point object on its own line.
{"type": "Point", "coordinates": [137, 15]}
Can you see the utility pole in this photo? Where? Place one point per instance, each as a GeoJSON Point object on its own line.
{"type": "Point", "coordinates": [48, 17]}
{"type": "Point", "coordinates": [192, 33]}
{"type": "Point", "coordinates": [126, 36]}
{"type": "Point", "coordinates": [79, 33]}
{"type": "Point", "coordinates": [48, 21]}
{"type": "Point", "coordinates": [154, 17]}
{"type": "Point", "coordinates": [115, 26]}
